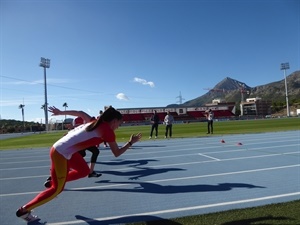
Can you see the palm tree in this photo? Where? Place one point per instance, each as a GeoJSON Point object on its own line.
{"type": "Point", "coordinates": [66, 106]}
{"type": "Point", "coordinates": [43, 108]}
{"type": "Point", "coordinates": [21, 106]}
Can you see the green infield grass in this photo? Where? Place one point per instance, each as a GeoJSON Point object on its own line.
{"type": "Point", "coordinates": [273, 214]}
{"type": "Point", "coordinates": [180, 130]}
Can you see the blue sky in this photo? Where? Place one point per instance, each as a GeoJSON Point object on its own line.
{"type": "Point", "coordinates": [139, 53]}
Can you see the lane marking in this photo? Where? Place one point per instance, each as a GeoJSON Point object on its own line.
{"type": "Point", "coordinates": [209, 157]}
{"type": "Point", "coordinates": [168, 165]}
{"type": "Point", "coordinates": [28, 177]}
{"type": "Point", "coordinates": [176, 210]}
{"type": "Point", "coordinates": [198, 177]}
{"type": "Point", "coordinates": [209, 161]}
{"type": "Point", "coordinates": [164, 180]}
{"type": "Point", "coordinates": [191, 149]}
{"type": "Point", "coordinates": [23, 162]}
{"type": "Point", "coordinates": [22, 168]}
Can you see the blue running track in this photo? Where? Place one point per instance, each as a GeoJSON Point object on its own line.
{"type": "Point", "coordinates": [159, 178]}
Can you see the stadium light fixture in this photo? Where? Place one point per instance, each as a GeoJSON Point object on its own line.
{"type": "Point", "coordinates": [284, 67]}
{"type": "Point", "coordinates": [45, 63]}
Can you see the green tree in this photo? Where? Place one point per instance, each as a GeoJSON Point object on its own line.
{"type": "Point", "coordinates": [66, 106]}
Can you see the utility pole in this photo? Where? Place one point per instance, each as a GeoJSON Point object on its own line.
{"type": "Point", "coordinates": [180, 98]}
{"type": "Point", "coordinates": [284, 67]}
{"type": "Point", "coordinates": [45, 63]}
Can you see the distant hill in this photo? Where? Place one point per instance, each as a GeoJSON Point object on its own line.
{"type": "Point", "coordinates": [232, 90]}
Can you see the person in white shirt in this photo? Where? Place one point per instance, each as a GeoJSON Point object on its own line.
{"type": "Point", "coordinates": [64, 155]}
{"type": "Point", "coordinates": [168, 121]}
{"type": "Point", "coordinates": [210, 120]}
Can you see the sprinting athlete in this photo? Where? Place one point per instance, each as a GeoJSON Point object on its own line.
{"type": "Point", "coordinates": [93, 149]}
{"type": "Point", "coordinates": [77, 122]}
{"type": "Point", "coordinates": [64, 155]}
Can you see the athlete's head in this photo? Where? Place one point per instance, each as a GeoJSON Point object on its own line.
{"type": "Point", "coordinates": [110, 115]}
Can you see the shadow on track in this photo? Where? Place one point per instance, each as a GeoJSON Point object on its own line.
{"type": "Point", "coordinates": [152, 220]}
{"type": "Point", "coordinates": [147, 187]}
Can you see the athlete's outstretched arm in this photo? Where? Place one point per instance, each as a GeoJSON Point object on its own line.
{"type": "Point", "coordinates": [117, 151]}
{"type": "Point", "coordinates": [55, 112]}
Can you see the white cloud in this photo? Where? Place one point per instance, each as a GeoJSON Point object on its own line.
{"type": "Point", "coordinates": [122, 96]}
{"type": "Point", "coordinates": [143, 82]}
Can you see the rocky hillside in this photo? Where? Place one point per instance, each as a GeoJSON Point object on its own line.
{"type": "Point", "coordinates": [276, 90]}
{"type": "Point", "coordinates": [234, 91]}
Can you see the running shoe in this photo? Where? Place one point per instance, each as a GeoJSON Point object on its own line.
{"type": "Point", "coordinates": [26, 215]}
{"type": "Point", "coordinates": [48, 182]}
{"type": "Point", "coordinates": [94, 174]}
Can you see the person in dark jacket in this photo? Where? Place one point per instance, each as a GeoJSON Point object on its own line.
{"type": "Point", "coordinates": [154, 121]}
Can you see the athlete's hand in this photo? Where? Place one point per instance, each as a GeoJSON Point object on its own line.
{"type": "Point", "coordinates": [55, 111]}
{"type": "Point", "coordinates": [135, 138]}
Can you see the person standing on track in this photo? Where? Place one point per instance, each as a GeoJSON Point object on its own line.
{"type": "Point", "coordinates": [168, 121]}
{"type": "Point", "coordinates": [64, 155]}
{"type": "Point", "coordinates": [154, 121]}
{"type": "Point", "coordinates": [210, 120]}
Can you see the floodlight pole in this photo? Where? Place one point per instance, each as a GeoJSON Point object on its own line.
{"type": "Point", "coordinates": [45, 63]}
{"type": "Point", "coordinates": [284, 67]}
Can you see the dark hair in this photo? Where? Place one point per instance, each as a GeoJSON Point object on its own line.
{"type": "Point", "coordinates": [108, 115]}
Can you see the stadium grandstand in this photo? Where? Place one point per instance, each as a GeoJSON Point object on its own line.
{"type": "Point", "coordinates": [180, 114]}
{"type": "Point", "coordinates": [142, 116]}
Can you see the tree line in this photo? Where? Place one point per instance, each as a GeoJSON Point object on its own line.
{"type": "Point", "coordinates": [16, 126]}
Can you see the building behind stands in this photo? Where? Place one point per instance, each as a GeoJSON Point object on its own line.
{"type": "Point", "coordinates": [251, 108]}
{"type": "Point", "coordinates": [255, 107]}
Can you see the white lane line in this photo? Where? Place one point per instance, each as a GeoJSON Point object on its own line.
{"type": "Point", "coordinates": [176, 210]}
{"type": "Point", "coordinates": [198, 177]}
{"type": "Point", "coordinates": [224, 160]}
{"type": "Point", "coordinates": [166, 180]}
{"type": "Point", "coordinates": [28, 177]}
{"type": "Point", "coordinates": [23, 162]}
{"type": "Point", "coordinates": [169, 156]}
{"type": "Point", "coordinates": [22, 168]}
{"type": "Point", "coordinates": [175, 164]}
{"type": "Point", "coordinates": [241, 148]}
{"type": "Point", "coordinates": [209, 157]}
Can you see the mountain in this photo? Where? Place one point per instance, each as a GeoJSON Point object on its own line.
{"type": "Point", "coordinates": [232, 90]}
